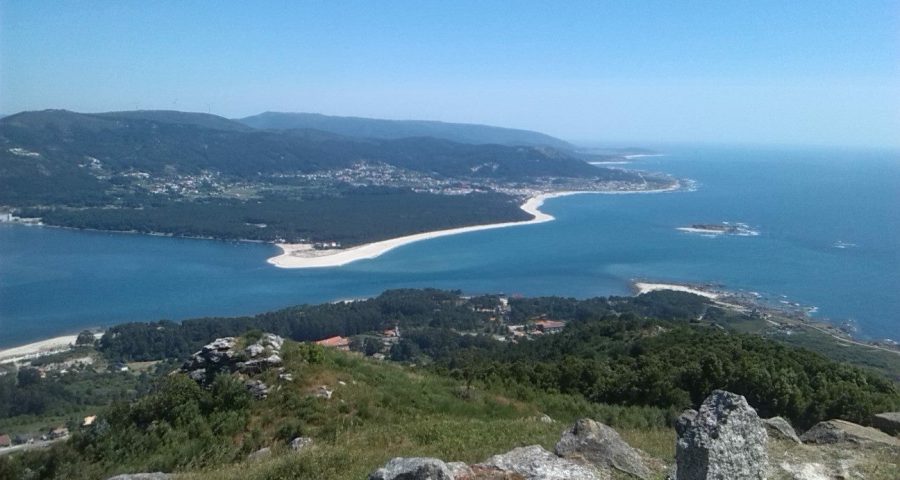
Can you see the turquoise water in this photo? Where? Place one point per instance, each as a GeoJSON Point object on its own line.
{"type": "Point", "coordinates": [55, 281]}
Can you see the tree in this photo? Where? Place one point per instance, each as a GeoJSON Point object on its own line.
{"type": "Point", "coordinates": [85, 338]}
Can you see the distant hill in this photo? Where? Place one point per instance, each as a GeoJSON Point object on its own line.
{"type": "Point", "coordinates": [394, 129]}
{"type": "Point", "coordinates": [156, 140]}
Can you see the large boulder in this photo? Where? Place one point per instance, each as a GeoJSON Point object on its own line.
{"type": "Point", "coordinates": [888, 422]}
{"type": "Point", "coordinates": [534, 463]}
{"type": "Point", "coordinates": [414, 468]}
{"type": "Point", "coordinates": [599, 445]}
{"type": "Point", "coordinates": [839, 431]}
{"type": "Point", "coordinates": [779, 428]}
{"type": "Point", "coordinates": [724, 440]}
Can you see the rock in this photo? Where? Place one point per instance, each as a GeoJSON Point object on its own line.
{"type": "Point", "coordinates": [414, 468]}
{"type": "Point", "coordinates": [301, 443]}
{"type": "Point", "coordinates": [254, 350]}
{"type": "Point", "coordinates": [725, 440]}
{"type": "Point", "coordinates": [544, 418]}
{"type": "Point", "coordinates": [260, 454]}
{"type": "Point", "coordinates": [888, 422]}
{"type": "Point", "coordinates": [535, 463]}
{"type": "Point", "coordinates": [839, 431]}
{"type": "Point", "coordinates": [599, 445]}
{"type": "Point", "coordinates": [257, 388]}
{"type": "Point", "coordinates": [142, 476]}
{"type": "Point", "coordinates": [287, 377]}
{"type": "Point", "coordinates": [778, 427]}
{"type": "Point", "coordinates": [806, 471]}
{"type": "Point", "coordinates": [460, 471]}
{"type": "Point", "coordinates": [324, 392]}
{"type": "Point", "coordinates": [221, 356]}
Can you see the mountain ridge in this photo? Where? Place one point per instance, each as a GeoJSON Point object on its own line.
{"type": "Point", "coordinates": [394, 129]}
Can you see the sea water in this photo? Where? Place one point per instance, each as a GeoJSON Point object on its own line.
{"type": "Point", "coordinates": [828, 223]}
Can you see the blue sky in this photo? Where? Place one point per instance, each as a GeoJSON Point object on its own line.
{"type": "Point", "coordinates": [620, 71]}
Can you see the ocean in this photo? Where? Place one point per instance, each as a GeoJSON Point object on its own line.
{"type": "Point", "coordinates": [828, 223]}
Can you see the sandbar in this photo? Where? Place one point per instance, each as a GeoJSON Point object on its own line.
{"type": "Point", "coordinates": [303, 255]}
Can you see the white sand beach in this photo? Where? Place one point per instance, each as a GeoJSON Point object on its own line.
{"type": "Point", "coordinates": [37, 349]}
{"type": "Point", "coordinates": [303, 255]}
{"type": "Point", "coordinates": [643, 287]}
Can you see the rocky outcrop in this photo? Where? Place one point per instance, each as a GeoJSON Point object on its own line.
{"type": "Point", "coordinates": [534, 463]}
{"type": "Point", "coordinates": [142, 476]}
{"type": "Point", "coordinates": [779, 428]}
{"type": "Point", "coordinates": [888, 422]}
{"type": "Point", "coordinates": [839, 431]}
{"type": "Point", "coordinates": [600, 446]}
{"type": "Point", "coordinates": [223, 356]}
{"type": "Point", "coordinates": [260, 454]}
{"type": "Point", "coordinates": [724, 440]}
{"type": "Point", "coordinates": [301, 443]}
{"type": "Point", "coordinates": [415, 468]}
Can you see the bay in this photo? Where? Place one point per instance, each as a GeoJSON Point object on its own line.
{"type": "Point", "coordinates": [802, 201]}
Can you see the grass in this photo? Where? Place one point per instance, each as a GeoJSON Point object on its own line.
{"type": "Point", "coordinates": [385, 410]}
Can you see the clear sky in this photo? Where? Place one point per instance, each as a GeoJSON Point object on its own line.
{"type": "Point", "coordinates": [805, 72]}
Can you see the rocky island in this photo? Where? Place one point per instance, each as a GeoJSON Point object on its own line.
{"type": "Point", "coordinates": [724, 228]}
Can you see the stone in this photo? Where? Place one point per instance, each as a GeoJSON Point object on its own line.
{"type": "Point", "coordinates": [301, 443]}
{"type": "Point", "coordinates": [840, 431]}
{"type": "Point", "coordinates": [324, 392]}
{"type": "Point", "coordinates": [142, 476]}
{"type": "Point", "coordinates": [544, 418]}
{"type": "Point", "coordinates": [724, 440]}
{"type": "Point", "coordinates": [413, 468]}
{"type": "Point", "coordinates": [888, 422]}
{"type": "Point", "coordinates": [260, 454]}
{"type": "Point", "coordinates": [257, 389]}
{"type": "Point", "coordinates": [806, 471]}
{"type": "Point", "coordinates": [254, 350]}
{"type": "Point", "coordinates": [460, 471]}
{"type": "Point", "coordinates": [779, 428]}
{"type": "Point", "coordinates": [600, 446]}
{"type": "Point", "coordinates": [536, 463]}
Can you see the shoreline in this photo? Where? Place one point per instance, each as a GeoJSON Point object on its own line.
{"type": "Point", "coordinates": [294, 255]}
{"type": "Point", "coordinates": [741, 302]}
{"type": "Point", "coordinates": [40, 348]}
{"type": "Point", "coordinates": [37, 349]}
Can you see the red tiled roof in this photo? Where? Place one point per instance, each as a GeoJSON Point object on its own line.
{"type": "Point", "coordinates": [550, 324]}
{"type": "Point", "coordinates": [337, 341]}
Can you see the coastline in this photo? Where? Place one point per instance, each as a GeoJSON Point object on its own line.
{"type": "Point", "coordinates": [304, 256]}
{"type": "Point", "coordinates": [37, 349]}
{"type": "Point", "coordinates": [647, 287]}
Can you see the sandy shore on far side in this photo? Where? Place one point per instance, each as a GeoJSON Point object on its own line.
{"type": "Point", "coordinates": [644, 287]}
{"type": "Point", "coordinates": [303, 255]}
{"type": "Point", "coordinates": [36, 349]}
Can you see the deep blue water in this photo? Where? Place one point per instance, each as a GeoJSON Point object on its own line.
{"type": "Point", "coordinates": [55, 281]}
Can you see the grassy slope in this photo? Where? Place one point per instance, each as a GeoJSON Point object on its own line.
{"type": "Point", "coordinates": [386, 410]}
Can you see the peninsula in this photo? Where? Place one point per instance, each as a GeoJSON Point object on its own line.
{"type": "Point", "coordinates": [199, 175]}
{"type": "Point", "coordinates": [305, 255]}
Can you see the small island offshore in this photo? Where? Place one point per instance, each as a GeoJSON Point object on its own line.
{"type": "Point", "coordinates": [724, 228]}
